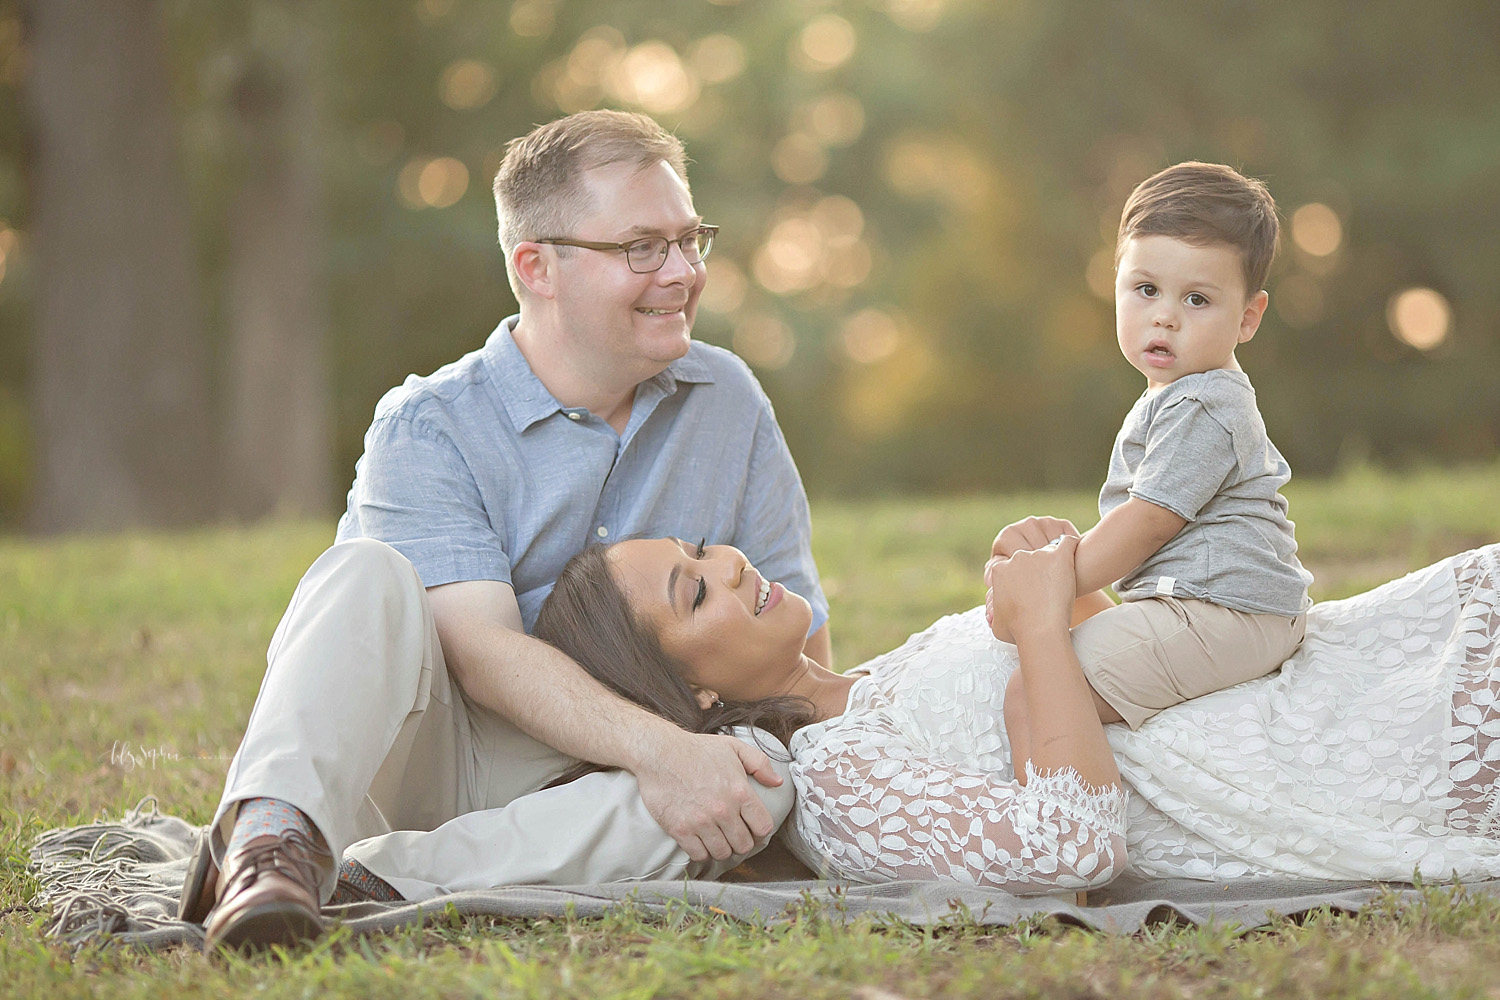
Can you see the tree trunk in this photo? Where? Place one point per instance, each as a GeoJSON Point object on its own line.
{"type": "Point", "coordinates": [279, 440]}
{"type": "Point", "coordinates": [124, 434]}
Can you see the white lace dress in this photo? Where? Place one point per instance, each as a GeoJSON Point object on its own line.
{"type": "Point", "coordinates": [1373, 754]}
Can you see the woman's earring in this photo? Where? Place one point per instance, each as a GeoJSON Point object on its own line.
{"type": "Point", "coordinates": [718, 703]}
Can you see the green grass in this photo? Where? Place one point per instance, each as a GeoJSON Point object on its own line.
{"type": "Point", "coordinates": [128, 666]}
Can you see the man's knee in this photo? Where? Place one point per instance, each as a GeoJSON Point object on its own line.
{"type": "Point", "coordinates": [367, 562]}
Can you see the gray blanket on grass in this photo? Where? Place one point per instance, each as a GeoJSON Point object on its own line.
{"type": "Point", "coordinates": [121, 881]}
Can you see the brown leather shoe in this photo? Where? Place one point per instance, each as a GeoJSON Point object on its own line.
{"type": "Point", "coordinates": [268, 895]}
{"type": "Point", "coordinates": [202, 882]}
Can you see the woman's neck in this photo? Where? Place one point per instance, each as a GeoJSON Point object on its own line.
{"type": "Point", "coordinates": [828, 691]}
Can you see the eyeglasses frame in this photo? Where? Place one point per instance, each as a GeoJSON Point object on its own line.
{"type": "Point", "coordinates": [712, 231]}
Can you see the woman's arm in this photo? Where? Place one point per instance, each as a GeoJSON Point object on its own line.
{"type": "Point", "coordinates": [1031, 595]}
{"type": "Point", "coordinates": [874, 806]}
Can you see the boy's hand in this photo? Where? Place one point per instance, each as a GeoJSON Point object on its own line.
{"type": "Point", "coordinates": [1029, 534]}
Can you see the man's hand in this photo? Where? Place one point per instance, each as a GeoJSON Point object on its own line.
{"type": "Point", "coordinates": [695, 787]}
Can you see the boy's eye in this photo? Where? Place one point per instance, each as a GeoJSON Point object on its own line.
{"type": "Point", "coordinates": [700, 595]}
{"type": "Point", "coordinates": [1147, 289]}
{"type": "Point", "coordinates": [1197, 299]}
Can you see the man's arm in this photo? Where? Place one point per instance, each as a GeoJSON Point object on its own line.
{"type": "Point", "coordinates": [693, 785]}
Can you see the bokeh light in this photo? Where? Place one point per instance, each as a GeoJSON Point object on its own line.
{"type": "Point", "coordinates": [834, 119]}
{"type": "Point", "coordinates": [922, 166]}
{"type": "Point", "coordinates": [653, 78]}
{"type": "Point", "coordinates": [1298, 300]}
{"type": "Point", "coordinates": [1316, 229]}
{"type": "Point", "coordinates": [764, 342]}
{"type": "Point", "coordinates": [799, 159]}
{"type": "Point", "coordinates": [870, 336]}
{"type": "Point", "coordinates": [431, 11]}
{"type": "Point", "coordinates": [9, 241]}
{"type": "Point", "coordinates": [717, 58]}
{"type": "Point", "coordinates": [467, 84]}
{"type": "Point", "coordinates": [1100, 274]}
{"type": "Point", "coordinates": [725, 290]}
{"type": "Point", "coordinates": [434, 183]}
{"type": "Point", "coordinates": [821, 246]}
{"type": "Point", "coordinates": [916, 15]}
{"type": "Point", "coordinates": [827, 42]}
{"type": "Point", "coordinates": [531, 18]}
{"type": "Point", "coordinates": [1420, 317]}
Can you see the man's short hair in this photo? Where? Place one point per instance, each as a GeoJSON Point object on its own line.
{"type": "Point", "coordinates": [538, 194]}
{"type": "Point", "coordinates": [1202, 204]}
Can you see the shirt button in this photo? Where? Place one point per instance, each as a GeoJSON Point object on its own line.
{"type": "Point", "coordinates": [602, 531]}
{"type": "Point", "coordinates": [574, 416]}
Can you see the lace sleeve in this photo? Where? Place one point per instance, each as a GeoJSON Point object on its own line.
{"type": "Point", "coordinates": [870, 808]}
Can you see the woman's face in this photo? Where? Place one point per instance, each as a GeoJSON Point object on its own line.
{"type": "Point", "coordinates": [738, 636]}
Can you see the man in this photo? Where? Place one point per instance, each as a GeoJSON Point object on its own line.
{"type": "Point", "coordinates": [406, 721]}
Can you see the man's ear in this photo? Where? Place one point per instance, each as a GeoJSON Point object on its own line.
{"type": "Point", "coordinates": [535, 268]}
{"type": "Point", "coordinates": [1255, 311]}
{"type": "Point", "coordinates": [706, 698]}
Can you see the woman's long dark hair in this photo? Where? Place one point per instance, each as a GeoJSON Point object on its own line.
{"type": "Point", "coordinates": [588, 617]}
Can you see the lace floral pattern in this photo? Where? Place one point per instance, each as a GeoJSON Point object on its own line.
{"type": "Point", "coordinates": [1373, 754]}
{"type": "Point", "coordinates": [915, 781]}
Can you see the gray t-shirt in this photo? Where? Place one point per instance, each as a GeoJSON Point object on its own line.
{"type": "Point", "coordinates": [1199, 448]}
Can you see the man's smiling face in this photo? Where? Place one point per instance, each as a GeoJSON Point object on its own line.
{"type": "Point", "coordinates": [632, 323]}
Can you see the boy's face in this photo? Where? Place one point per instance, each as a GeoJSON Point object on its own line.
{"type": "Point", "coordinates": [1181, 309]}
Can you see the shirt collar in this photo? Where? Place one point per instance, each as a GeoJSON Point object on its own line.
{"type": "Point", "coordinates": [527, 400]}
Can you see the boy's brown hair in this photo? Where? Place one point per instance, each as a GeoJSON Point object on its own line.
{"type": "Point", "coordinates": [1202, 204]}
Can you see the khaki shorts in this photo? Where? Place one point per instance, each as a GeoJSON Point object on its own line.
{"type": "Point", "coordinates": [1144, 656]}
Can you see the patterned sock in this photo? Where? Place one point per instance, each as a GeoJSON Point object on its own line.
{"type": "Point", "coordinates": [258, 817]}
{"type": "Point", "coordinates": [358, 884]}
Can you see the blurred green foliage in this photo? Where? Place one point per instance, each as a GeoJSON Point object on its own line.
{"type": "Point", "coordinates": [914, 196]}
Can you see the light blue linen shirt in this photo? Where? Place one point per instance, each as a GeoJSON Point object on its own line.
{"type": "Point", "coordinates": [476, 472]}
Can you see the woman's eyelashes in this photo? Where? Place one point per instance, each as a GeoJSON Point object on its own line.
{"type": "Point", "coordinates": [702, 585]}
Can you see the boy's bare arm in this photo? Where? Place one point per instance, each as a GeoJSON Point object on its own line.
{"type": "Point", "coordinates": [1123, 539]}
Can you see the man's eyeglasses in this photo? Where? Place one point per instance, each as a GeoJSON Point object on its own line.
{"type": "Point", "coordinates": [649, 254]}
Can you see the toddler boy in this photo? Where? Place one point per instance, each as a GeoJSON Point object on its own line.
{"type": "Point", "coordinates": [1193, 530]}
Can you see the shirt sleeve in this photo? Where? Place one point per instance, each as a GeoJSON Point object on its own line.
{"type": "Point", "coordinates": [774, 528]}
{"type": "Point", "coordinates": [414, 490]}
{"type": "Point", "coordinates": [1189, 454]}
{"type": "Point", "coordinates": [871, 808]}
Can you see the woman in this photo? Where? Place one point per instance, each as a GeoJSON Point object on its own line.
{"type": "Point", "coordinates": [1373, 754]}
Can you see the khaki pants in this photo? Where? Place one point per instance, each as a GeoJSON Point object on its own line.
{"type": "Point", "coordinates": [359, 725]}
{"type": "Point", "coordinates": [1144, 656]}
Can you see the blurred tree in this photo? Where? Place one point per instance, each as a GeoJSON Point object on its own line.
{"type": "Point", "coordinates": [279, 425]}
{"type": "Point", "coordinates": [918, 200]}
{"type": "Point", "coordinates": [120, 379]}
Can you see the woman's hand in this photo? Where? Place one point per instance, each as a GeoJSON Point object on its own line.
{"type": "Point", "coordinates": [1030, 533]}
{"type": "Point", "coordinates": [1031, 591]}
{"type": "Point", "coordinates": [1025, 535]}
